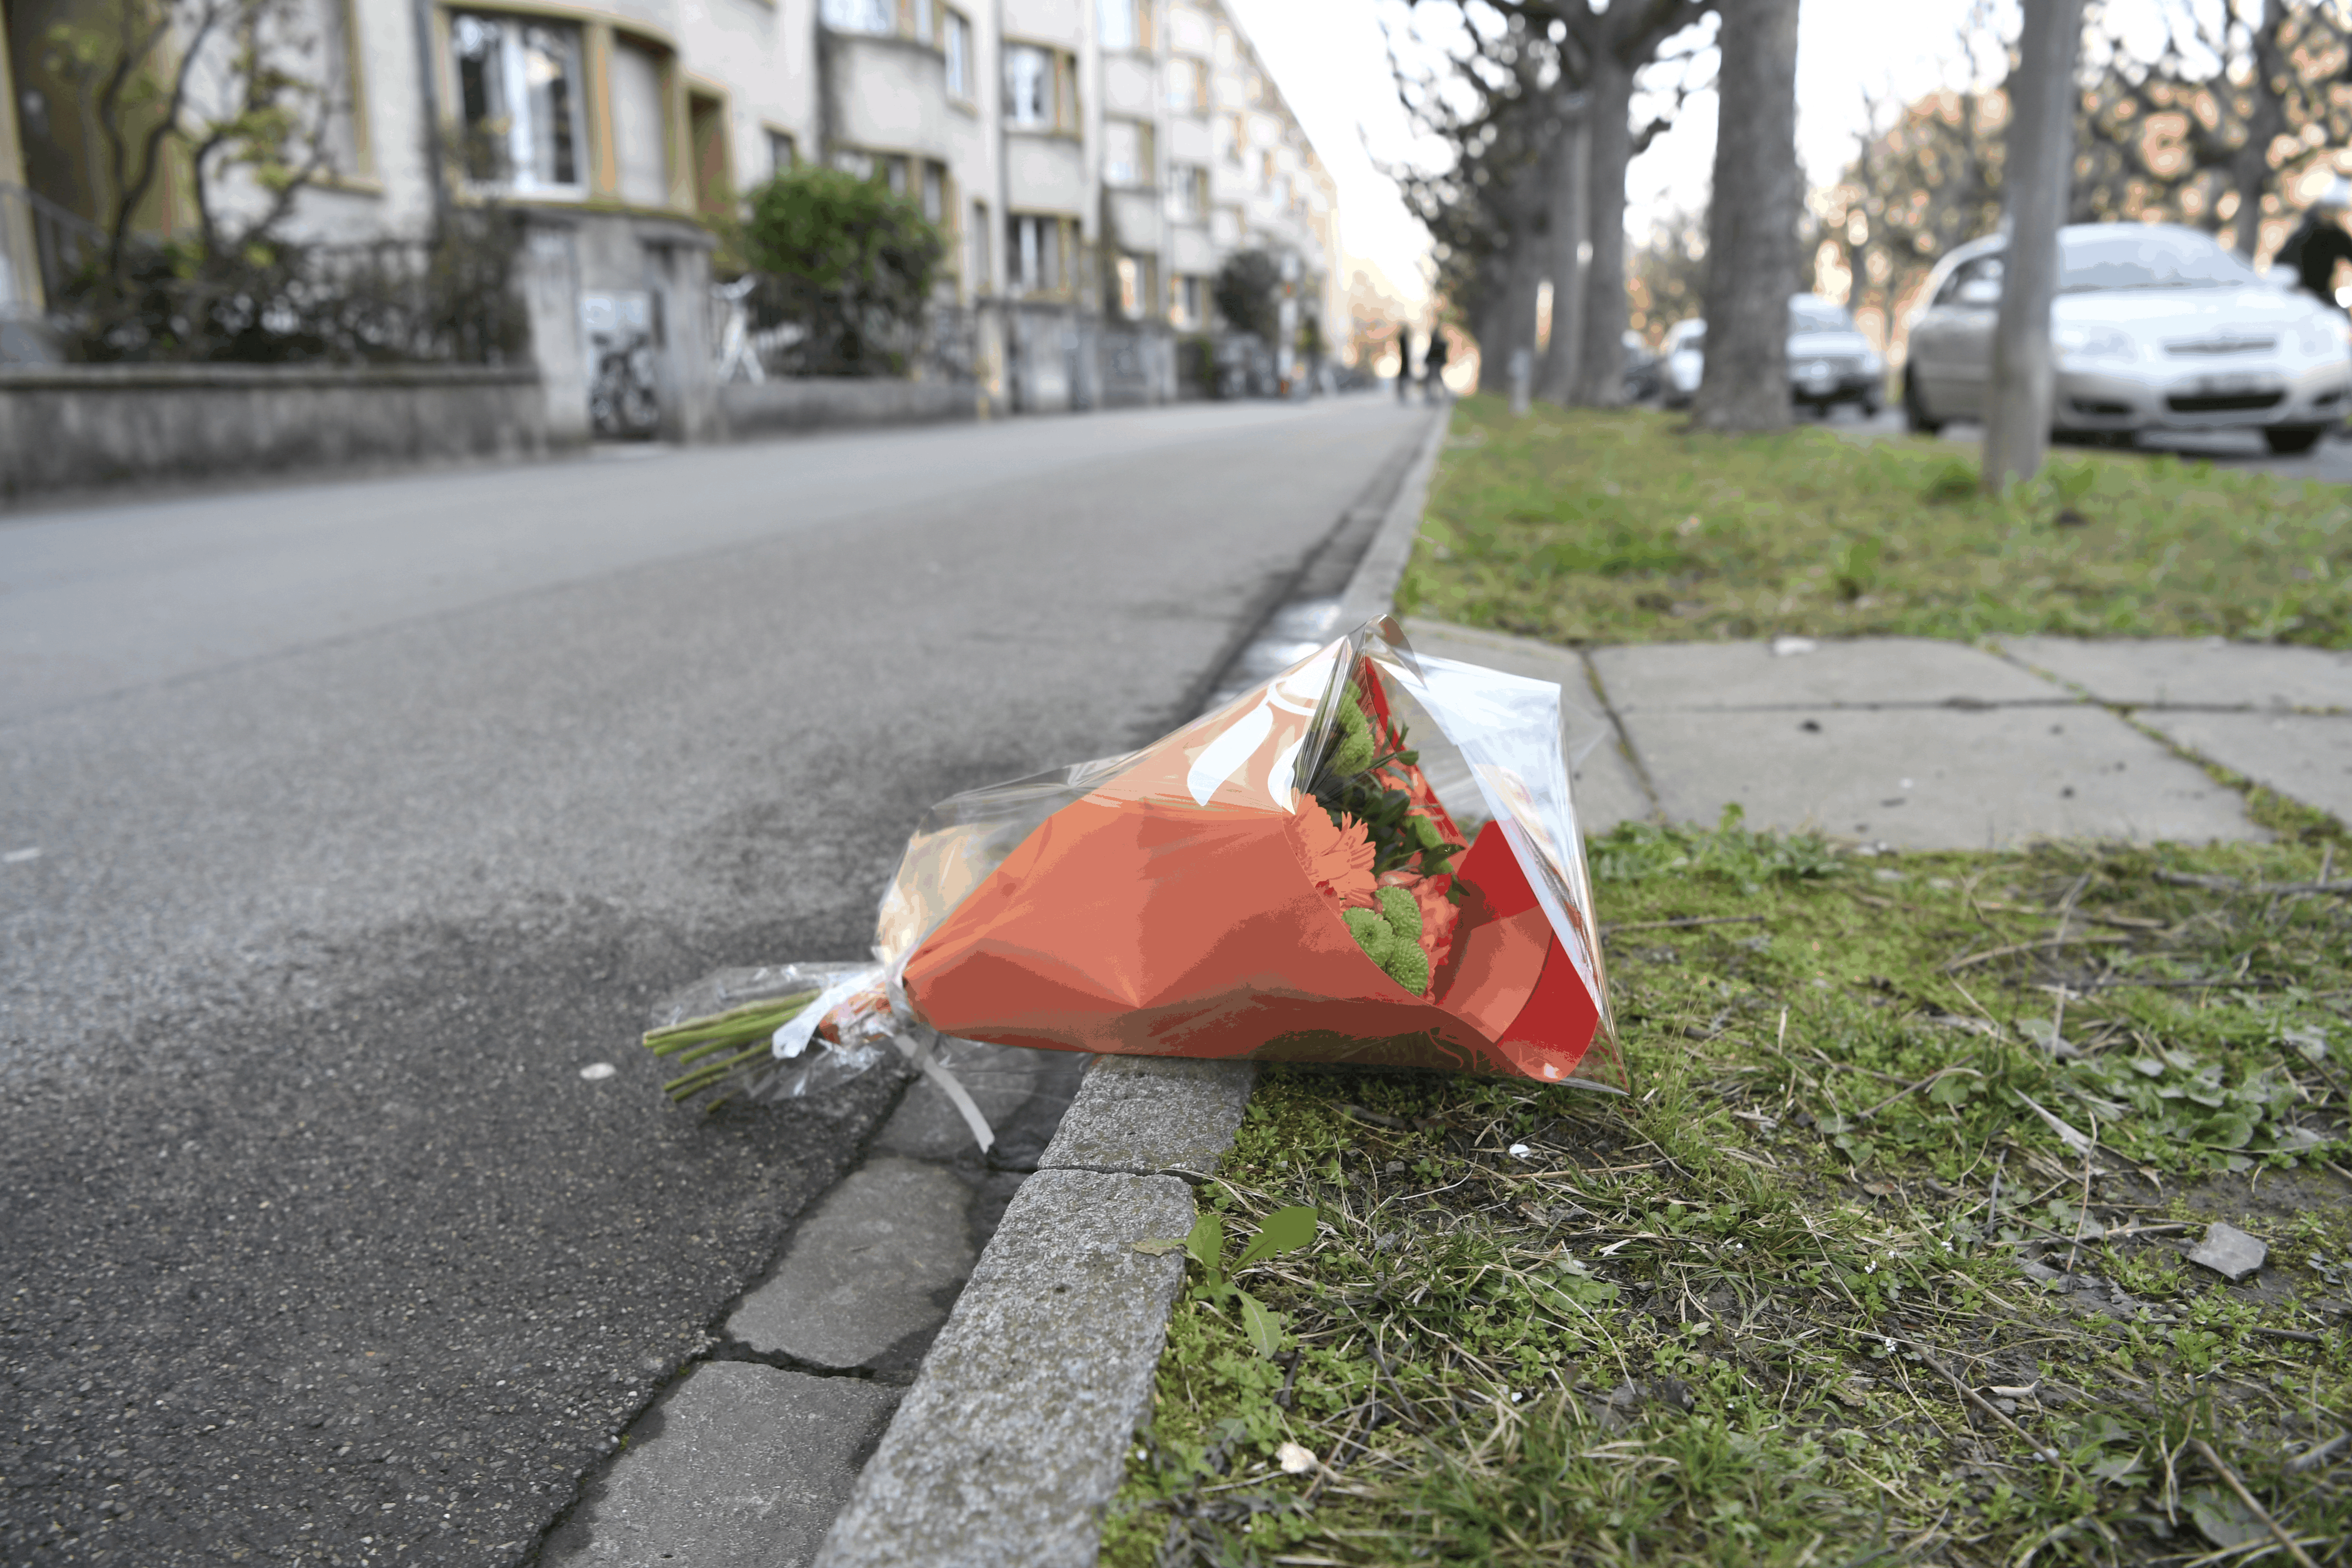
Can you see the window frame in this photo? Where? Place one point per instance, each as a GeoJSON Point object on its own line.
{"type": "Point", "coordinates": [1186, 192]}
{"type": "Point", "coordinates": [955, 25]}
{"type": "Point", "coordinates": [1016, 280]}
{"type": "Point", "coordinates": [1195, 102]}
{"type": "Point", "coordinates": [520, 179]}
{"type": "Point", "coordinates": [1145, 174]}
{"type": "Point", "coordinates": [1062, 73]}
{"type": "Point", "coordinates": [1139, 40]}
{"type": "Point", "coordinates": [917, 21]}
{"type": "Point", "coordinates": [776, 135]}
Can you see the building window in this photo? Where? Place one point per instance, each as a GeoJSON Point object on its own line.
{"type": "Point", "coordinates": [1127, 153]}
{"type": "Point", "coordinates": [1188, 86]}
{"type": "Point", "coordinates": [1187, 302]}
{"type": "Point", "coordinates": [1123, 23]}
{"type": "Point", "coordinates": [861, 15]}
{"type": "Point", "coordinates": [1041, 88]}
{"type": "Point", "coordinates": [640, 125]}
{"type": "Point", "coordinates": [1237, 139]}
{"type": "Point", "coordinates": [915, 19]}
{"type": "Point", "coordinates": [518, 97]}
{"type": "Point", "coordinates": [783, 154]}
{"type": "Point", "coordinates": [341, 141]}
{"type": "Point", "coordinates": [1032, 253]}
{"type": "Point", "coordinates": [976, 244]}
{"type": "Point", "coordinates": [958, 39]}
{"type": "Point", "coordinates": [706, 125]}
{"type": "Point", "coordinates": [1188, 192]}
{"type": "Point", "coordinates": [935, 191]}
{"type": "Point", "coordinates": [1134, 277]}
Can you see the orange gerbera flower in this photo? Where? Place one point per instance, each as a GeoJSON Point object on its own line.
{"type": "Point", "coordinates": [1339, 855]}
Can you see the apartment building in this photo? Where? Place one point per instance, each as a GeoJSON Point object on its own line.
{"type": "Point", "coordinates": [1093, 161]}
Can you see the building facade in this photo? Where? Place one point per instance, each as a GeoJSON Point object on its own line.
{"type": "Point", "coordinates": [1092, 163]}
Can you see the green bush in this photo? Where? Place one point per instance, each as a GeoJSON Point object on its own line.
{"type": "Point", "coordinates": [846, 260]}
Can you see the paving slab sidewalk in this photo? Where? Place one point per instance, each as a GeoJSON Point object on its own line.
{"type": "Point", "coordinates": [1915, 744]}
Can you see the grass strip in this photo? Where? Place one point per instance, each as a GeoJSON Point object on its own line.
{"type": "Point", "coordinates": [1807, 1298]}
{"type": "Point", "coordinates": [1589, 526]}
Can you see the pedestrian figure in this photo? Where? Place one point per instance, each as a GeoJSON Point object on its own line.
{"type": "Point", "coordinates": [1433, 366]}
{"type": "Point", "coordinates": [1404, 363]}
{"type": "Point", "coordinates": [2319, 242]}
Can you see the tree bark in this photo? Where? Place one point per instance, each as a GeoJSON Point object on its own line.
{"type": "Point", "coordinates": [2038, 174]}
{"type": "Point", "coordinates": [2250, 173]}
{"type": "Point", "coordinates": [1752, 230]}
{"type": "Point", "coordinates": [1570, 226]}
{"type": "Point", "coordinates": [1511, 322]}
{"type": "Point", "coordinates": [1609, 147]}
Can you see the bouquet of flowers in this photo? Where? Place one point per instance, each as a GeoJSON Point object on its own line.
{"type": "Point", "coordinates": [1275, 880]}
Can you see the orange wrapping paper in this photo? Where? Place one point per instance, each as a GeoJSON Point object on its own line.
{"type": "Point", "coordinates": [1169, 905]}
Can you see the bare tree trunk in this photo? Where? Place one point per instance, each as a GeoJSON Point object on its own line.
{"type": "Point", "coordinates": [2250, 172]}
{"type": "Point", "coordinates": [1511, 322]}
{"type": "Point", "coordinates": [1608, 142]}
{"type": "Point", "coordinates": [2038, 173]}
{"type": "Point", "coordinates": [1555, 378]}
{"type": "Point", "coordinates": [1751, 229]}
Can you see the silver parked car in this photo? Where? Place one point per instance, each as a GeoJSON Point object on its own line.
{"type": "Point", "coordinates": [2155, 327]}
{"type": "Point", "coordinates": [1829, 361]}
{"type": "Point", "coordinates": [1685, 356]}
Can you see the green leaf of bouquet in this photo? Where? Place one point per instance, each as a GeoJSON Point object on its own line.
{"type": "Point", "coordinates": [1285, 1231]}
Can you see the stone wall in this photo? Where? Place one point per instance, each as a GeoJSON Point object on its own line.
{"type": "Point", "coordinates": [747, 411]}
{"type": "Point", "coordinates": [72, 427]}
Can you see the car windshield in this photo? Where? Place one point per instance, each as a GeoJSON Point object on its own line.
{"type": "Point", "coordinates": [1696, 338]}
{"type": "Point", "coordinates": [2148, 258]}
{"type": "Point", "coordinates": [1818, 316]}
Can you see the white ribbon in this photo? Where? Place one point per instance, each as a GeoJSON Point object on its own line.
{"type": "Point", "coordinates": [922, 1056]}
{"type": "Point", "coordinates": [793, 1039]}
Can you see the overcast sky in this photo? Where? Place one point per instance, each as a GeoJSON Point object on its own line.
{"type": "Point", "coordinates": [1331, 61]}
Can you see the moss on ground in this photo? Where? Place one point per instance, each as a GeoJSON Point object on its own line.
{"type": "Point", "coordinates": [1787, 1303]}
{"type": "Point", "coordinates": [1630, 526]}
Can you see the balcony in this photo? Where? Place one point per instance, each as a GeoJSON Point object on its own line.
{"type": "Point", "coordinates": [889, 93]}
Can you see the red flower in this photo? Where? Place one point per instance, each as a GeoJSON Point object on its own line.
{"type": "Point", "coordinates": [1339, 855]}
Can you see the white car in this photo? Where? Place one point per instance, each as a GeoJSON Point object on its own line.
{"type": "Point", "coordinates": [2155, 327]}
{"type": "Point", "coordinates": [1685, 356]}
{"type": "Point", "coordinates": [1829, 361]}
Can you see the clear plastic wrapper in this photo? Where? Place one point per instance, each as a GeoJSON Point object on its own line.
{"type": "Point", "coordinates": [1275, 880]}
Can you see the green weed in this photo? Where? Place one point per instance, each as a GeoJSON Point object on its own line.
{"type": "Point", "coordinates": [1775, 1307]}
{"type": "Point", "coordinates": [1630, 525]}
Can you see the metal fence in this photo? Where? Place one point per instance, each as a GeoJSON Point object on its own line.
{"type": "Point", "coordinates": [61, 245]}
{"type": "Point", "coordinates": [444, 300]}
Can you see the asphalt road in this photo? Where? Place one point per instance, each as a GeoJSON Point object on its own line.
{"type": "Point", "coordinates": [368, 814]}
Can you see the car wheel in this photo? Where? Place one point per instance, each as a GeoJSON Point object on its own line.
{"type": "Point", "coordinates": [1915, 413]}
{"type": "Point", "coordinates": [2292, 438]}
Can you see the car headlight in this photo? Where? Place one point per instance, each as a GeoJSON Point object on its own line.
{"type": "Point", "coordinates": [2094, 343]}
{"type": "Point", "coordinates": [2324, 332]}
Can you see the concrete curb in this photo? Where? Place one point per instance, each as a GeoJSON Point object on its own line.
{"type": "Point", "coordinates": [1015, 1432]}
{"type": "Point", "coordinates": [1372, 590]}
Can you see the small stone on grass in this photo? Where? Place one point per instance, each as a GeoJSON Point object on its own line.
{"type": "Point", "coordinates": [2228, 1251]}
